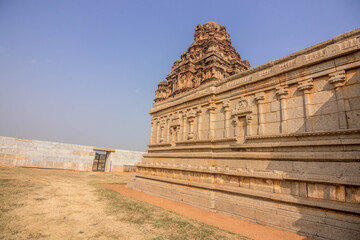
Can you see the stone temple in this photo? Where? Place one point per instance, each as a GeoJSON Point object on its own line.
{"type": "Point", "coordinates": [278, 144]}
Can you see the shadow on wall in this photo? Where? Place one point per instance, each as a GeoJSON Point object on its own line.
{"type": "Point", "coordinates": [329, 183]}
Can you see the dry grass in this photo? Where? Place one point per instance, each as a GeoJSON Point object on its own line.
{"type": "Point", "coordinates": [54, 204]}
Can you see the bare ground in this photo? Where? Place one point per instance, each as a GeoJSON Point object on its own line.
{"type": "Point", "coordinates": [56, 204]}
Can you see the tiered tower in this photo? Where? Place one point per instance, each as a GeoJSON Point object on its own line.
{"type": "Point", "coordinates": [209, 58]}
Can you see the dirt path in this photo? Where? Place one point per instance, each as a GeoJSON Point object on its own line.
{"type": "Point", "coordinates": [249, 229]}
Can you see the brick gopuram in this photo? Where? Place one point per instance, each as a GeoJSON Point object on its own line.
{"type": "Point", "coordinates": [278, 144]}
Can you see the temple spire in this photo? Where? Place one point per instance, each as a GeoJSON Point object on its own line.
{"type": "Point", "coordinates": [210, 57]}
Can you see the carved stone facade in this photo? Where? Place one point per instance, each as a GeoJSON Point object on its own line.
{"type": "Point", "coordinates": [210, 58]}
{"type": "Point", "coordinates": [278, 144]}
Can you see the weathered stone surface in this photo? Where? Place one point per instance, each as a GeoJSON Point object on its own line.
{"type": "Point", "coordinates": [278, 144]}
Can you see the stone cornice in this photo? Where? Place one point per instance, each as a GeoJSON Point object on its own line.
{"type": "Point", "coordinates": [305, 134]}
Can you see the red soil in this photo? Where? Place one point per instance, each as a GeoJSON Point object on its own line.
{"type": "Point", "coordinates": [235, 225]}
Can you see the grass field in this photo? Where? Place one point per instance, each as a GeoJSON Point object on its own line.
{"type": "Point", "coordinates": [57, 204]}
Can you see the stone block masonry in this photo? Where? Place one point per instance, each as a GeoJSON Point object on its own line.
{"type": "Point", "coordinates": [43, 154]}
{"type": "Point", "coordinates": [278, 144]}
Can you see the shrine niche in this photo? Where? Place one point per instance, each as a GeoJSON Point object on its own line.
{"type": "Point", "coordinates": [211, 57]}
{"type": "Point", "coordinates": [242, 119]}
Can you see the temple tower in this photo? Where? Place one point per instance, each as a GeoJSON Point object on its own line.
{"type": "Point", "coordinates": [211, 57]}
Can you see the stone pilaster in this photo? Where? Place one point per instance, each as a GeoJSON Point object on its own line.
{"type": "Point", "coordinates": [235, 128]}
{"type": "Point", "coordinates": [191, 128]}
{"type": "Point", "coordinates": [177, 134]}
{"type": "Point", "coordinates": [162, 133]}
{"type": "Point", "coordinates": [338, 80]}
{"type": "Point", "coordinates": [259, 98]}
{"type": "Point", "coordinates": [282, 93]}
{"type": "Point", "coordinates": [191, 119]}
{"type": "Point", "coordinates": [152, 135]}
{"type": "Point", "coordinates": [211, 110]}
{"type": "Point", "coordinates": [248, 125]}
{"type": "Point", "coordinates": [306, 87]}
{"type": "Point", "coordinates": [167, 120]}
{"type": "Point", "coordinates": [199, 122]}
{"type": "Point", "coordinates": [227, 115]}
{"type": "Point", "coordinates": [184, 127]}
{"type": "Point", "coordinates": [157, 131]}
{"type": "Point", "coordinates": [173, 136]}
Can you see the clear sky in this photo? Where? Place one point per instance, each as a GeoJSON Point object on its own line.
{"type": "Point", "coordinates": [85, 71]}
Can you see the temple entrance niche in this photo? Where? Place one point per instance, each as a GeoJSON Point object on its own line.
{"type": "Point", "coordinates": [240, 131]}
{"type": "Point", "coordinates": [242, 120]}
{"type": "Point", "coordinates": [174, 129]}
{"type": "Point", "coordinates": [174, 133]}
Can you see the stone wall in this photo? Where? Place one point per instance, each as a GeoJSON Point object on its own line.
{"type": "Point", "coordinates": [122, 161]}
{"type": "Point", "coordinates": [43, 154]}
{"type": "Point", "coordinates": [278, 144]}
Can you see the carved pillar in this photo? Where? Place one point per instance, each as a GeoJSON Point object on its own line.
{"type": "Point", "coordinates": [338, 80]}
{"type": "Point", "coordinates": [191, 128]}
{"type": "Point", "coordinates": [259, 98]}
{"type": "Point", "coordinates": [235, 128]}
{"type": "Point", "coordinates": [227, 115]}
{"type": "Point", "coordinates": [211, 110]}
{"type": "Point", "coordinates": [282, 93]}
{"type": "Point", "coordinates": [173, 135]}
{"type": "Point", "coordinates": [198, 117]}
{"type": "Point", "coordinates": [157, 131]}
{"type": "Point", "coordinates": [152, 135]}
{"type": "Point", "coordinates": [248, 125]}
{"type": "Point", "coordinates": [305, 87]}
{"type": "Point", "coordinates": [166, 138]}
{"type": "Point", "coordinates": [162, 133]}
{"type": "Point", "coordinates": [184, 127]}
{"type": "Point", "coordinates": [177, 134]}
{"type": "Point", "coordinates": [191, 119]}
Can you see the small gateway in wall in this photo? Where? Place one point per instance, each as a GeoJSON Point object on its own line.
{"type": "Point", "coordinates": [278, 144]}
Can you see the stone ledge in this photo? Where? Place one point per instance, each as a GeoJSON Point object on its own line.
{"type": "Point", "coordinates": [159, 145]}
{"type": "Point", "coordinates": [335, 142]}
{"type": "Point", "coordinates": [305, 134]}
{"type": "Point", "coordinates": [181, 144]}
{"type": "Point", "coordinates": [193, 141]}
{"type": "Point", "coordinates": [355, 181]}
{"type": "Point", "coordinates": [351, 156]}
{"type": "Point", "coordinates": [279, 144]}
{"type": "Point", "coordinates": [323, 204]}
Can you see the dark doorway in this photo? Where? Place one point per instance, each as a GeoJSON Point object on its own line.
{"type": "Point", "coordinates": [99, 161]}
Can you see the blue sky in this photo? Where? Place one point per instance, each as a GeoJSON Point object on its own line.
{"type": "Point", "coordinates": [85, 71]}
